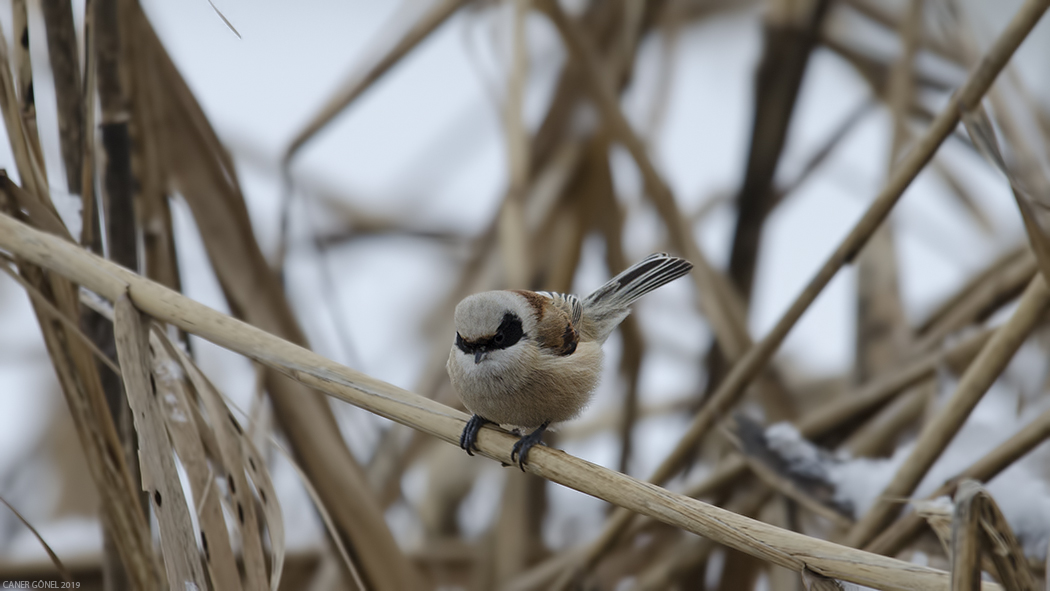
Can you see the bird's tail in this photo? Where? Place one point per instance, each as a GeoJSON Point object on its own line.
{"type": "Point", "coordinates": [610, 303]}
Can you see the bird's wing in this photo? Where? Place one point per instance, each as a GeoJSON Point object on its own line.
{"type": "Point", "coordinates": [568, 303]}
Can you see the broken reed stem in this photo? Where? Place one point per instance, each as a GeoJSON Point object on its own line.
{"type": "Point", "coordinates": [965, 555]}
{"type": "Point", "coordinates": [750, 366]}
{"type": "Point", "coordinates": [977, 514]}
{"type": "Point", "coordinates": [937, 434]}
{"type": "Point", "coordinates": [979, 527]}
{"type": "Point", "coordinates": [788, 549]}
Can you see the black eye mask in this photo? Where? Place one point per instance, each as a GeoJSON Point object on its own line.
{"type": "Point", "coordinates": [508, 333]}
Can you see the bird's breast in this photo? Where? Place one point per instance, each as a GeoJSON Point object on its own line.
{"type": "Point", "coordinates": [529, 388]}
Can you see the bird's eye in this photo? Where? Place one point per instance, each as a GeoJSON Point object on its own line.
{"type": "Point", "coordinates": [508, 333]}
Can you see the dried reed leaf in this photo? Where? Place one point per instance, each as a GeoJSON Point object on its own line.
{"type": "Point", "coordinates": [229, 437]}
{"type": "Point", "coordinates": [198, 166]}
{"type": "Point", "coordinates": [55, 560]}
{"type": "Point", "coordinates": [159, 475]}
{"type": "Point", "coordinates": [271, 508]}
{"type": "Point", "coordinates": [183, 428]}
{"type": "Point", "coordinates": [260, 475]}
{"type": "Point", "coordinates": [937, 512]}
{"type": "Point", "coordinates": [978, 524]}
{"type": "Point", "coordinates": [782, 547]}
{"type": "Point", "coordinates": [108, 401]}
{"type": "Point", "coordinates": [999, 542]}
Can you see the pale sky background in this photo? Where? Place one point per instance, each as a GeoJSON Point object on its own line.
{"type": "Point", "coordinates": [425, 145]}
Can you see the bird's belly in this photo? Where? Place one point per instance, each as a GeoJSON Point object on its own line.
{"type": "Point", "coordinates": [552, 390]}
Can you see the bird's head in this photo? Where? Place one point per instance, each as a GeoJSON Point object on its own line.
{"type": "Point", "coordinates": [493, 325]}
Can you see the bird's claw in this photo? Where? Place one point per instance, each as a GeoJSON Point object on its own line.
{"type": "Point", "coordinates": [468, 440]}
{"type": "Point", "coordinates": [527, 442]}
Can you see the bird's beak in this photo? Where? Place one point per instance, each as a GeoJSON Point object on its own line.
{"type": "Point", "coordinates": [480, 355]}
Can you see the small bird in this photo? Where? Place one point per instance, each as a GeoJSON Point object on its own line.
{"type": "Point", "coordinates": [526, 359]}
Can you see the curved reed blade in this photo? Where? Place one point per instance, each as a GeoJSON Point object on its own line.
{"type": "Point", "coordinates": [160, 478]}
{"type": "Point", "coordinates": [181, 421]}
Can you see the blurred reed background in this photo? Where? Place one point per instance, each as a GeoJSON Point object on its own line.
{"type": "Point", "coordinates": [340, 175]}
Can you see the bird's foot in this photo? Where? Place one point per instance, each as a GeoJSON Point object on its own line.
{"type": "Point", "coordinates": [523, 445]}
{"type": "Point", "coordinates": [468, 440]}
